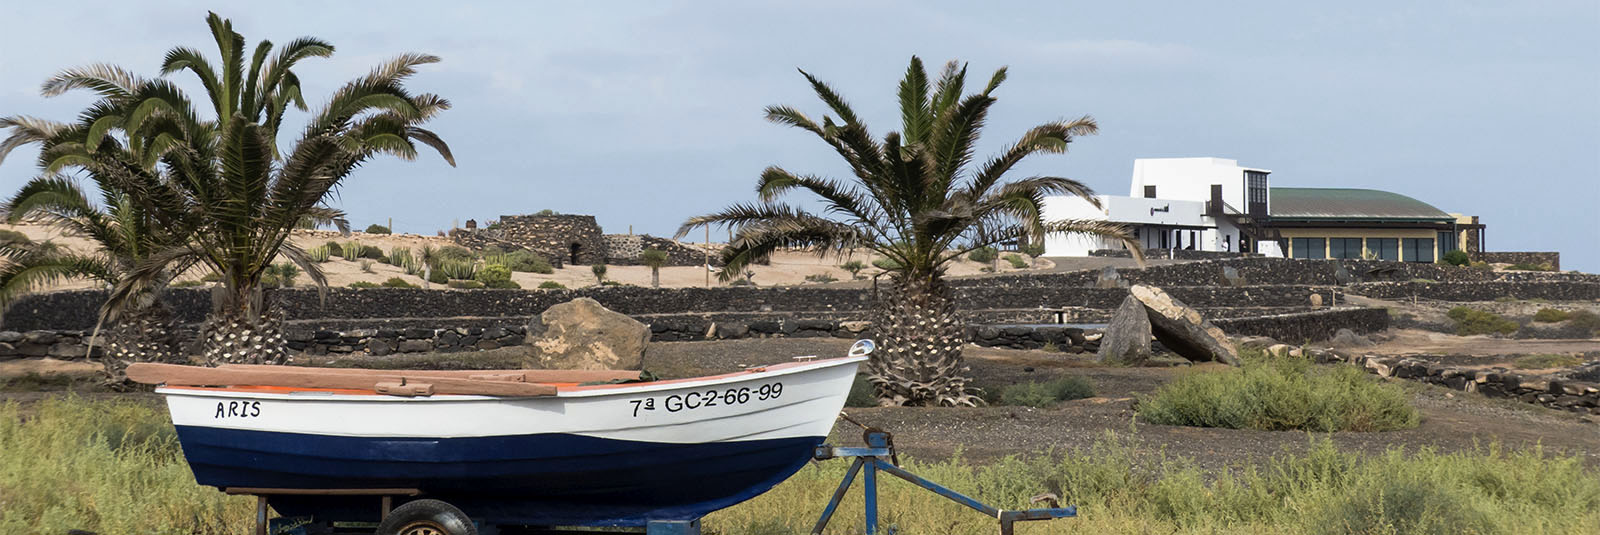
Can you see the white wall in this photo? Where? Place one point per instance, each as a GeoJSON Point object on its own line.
{"type": "Point", "coordinates": [1072, 207]}
{"type": "Point", "coordinates": [1190, 179]}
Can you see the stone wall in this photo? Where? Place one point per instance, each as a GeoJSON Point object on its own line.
{"type": "Point", "coordinates": [624, 249]}
{"type": "Point", "coordinates": [1560, 393]}
{"type": "Point", "coordinates": [558, 237]}
{"type": "Point", "coordinates": [1301, 327]}
{"type": "Point", "coordinates": [1169, 254]}
{"type": "Point", "coordinates": [78, 309]}
{"type": "Point", "coordinates": [1481, 291]}
{"type": "Point", "coordinates": [1530, 258]}
{"type": "Point", "coordinates": [1262, 271]}
{"type": "Point", "coordinates": [41, 343]}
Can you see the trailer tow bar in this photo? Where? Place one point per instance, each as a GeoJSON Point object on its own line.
{"type": "Point", "coordinates": [879, 455]}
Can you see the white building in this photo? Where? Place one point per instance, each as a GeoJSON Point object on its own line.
{"type": "Point", "coordinates": [1204, 204]}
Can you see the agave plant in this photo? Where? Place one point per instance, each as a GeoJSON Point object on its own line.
{"type": "Point", "coordinates": [222, 185]}
{"type": "Point", "coordinates": [917, 200]}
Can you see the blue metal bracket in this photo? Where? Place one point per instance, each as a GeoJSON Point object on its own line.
{"type": "Point", "coordinates": [879, 456]}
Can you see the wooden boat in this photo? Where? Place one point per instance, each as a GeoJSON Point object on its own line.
{"type": "Point", "coordinates": [513, 447]}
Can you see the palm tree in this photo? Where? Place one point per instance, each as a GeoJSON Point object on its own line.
{"type": "Point", "coordinates": [222, 184]}
{"type": "Point", "coordinates": [654, 258]}
{"type": "Point", "coordinates": [916, 200]}
{"type": "Point", "coordinates": [123, 234]}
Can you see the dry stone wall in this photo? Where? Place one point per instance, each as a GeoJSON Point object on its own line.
{"type": "Point", "coordinates": [1529, 258]}
{"type": "Point", "coordinates": [624, 249]}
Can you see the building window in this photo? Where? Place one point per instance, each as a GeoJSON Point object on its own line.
{"type": "Point", "coordinates": [1418, 250]}
{"type": "Point", "coordinates": [1385, 248]}
{"type": "Point", "coordinates": [1227, 242]}
{"type": "Point", "coordinates": [1344, 248]}
{"type": "Point", "coordinates": [1309, 248]}
{"type": "Point", "coordinates": [1447, 242]}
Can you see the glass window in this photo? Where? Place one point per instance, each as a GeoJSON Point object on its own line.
{"type": "Point", "coordinates": [1419, 250]}
{"type": "Point", "coordinates": [1447, 243]}
{"type": "Point", "coordinates": [1344, 248]}
{"type": "Point", "coordinates": [1385, 248]}
{"type": "Point", "coordinates": [1309, 248]}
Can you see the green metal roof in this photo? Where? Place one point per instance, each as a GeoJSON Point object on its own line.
{"type": "Point", "coordinates": [1350, 204]}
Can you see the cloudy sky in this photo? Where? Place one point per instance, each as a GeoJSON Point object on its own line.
{"type": "Point", "coordinates": [646, 113]}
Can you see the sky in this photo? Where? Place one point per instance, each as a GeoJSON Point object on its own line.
{"type": "Point", "coordinates": [646, 113]}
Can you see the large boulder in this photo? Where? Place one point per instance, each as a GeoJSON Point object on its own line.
{"type": "Point", "coordinates": [1180, 328]}
{"type": "Point", "coordinates": [583, 335]}
{"type": "Point", "coordinates": [1127, 337]}
{"type": "Point", "coordinates": [1109, 278]}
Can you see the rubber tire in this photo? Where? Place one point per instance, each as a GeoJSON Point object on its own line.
{"type": "Point", "coordinates": [445, 518]}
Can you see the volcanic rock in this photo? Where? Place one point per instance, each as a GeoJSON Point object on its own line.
{"type": "Point", "coordinates": [1127, 337]}
{"type": "Point", "coordinates": [1180, 328]}
{"type": "Point", "coordinates": [583, 335]}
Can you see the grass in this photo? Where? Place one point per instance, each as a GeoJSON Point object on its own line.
{"type": "Point", "coordinates": [1545, 266]}
{"type": "Point", "coordinates": [1470, 321]}
{"type": "Point", "coordinates": [1039, 395]}
{"type": "Point", "coordinates": [115, 467]}
{"type": "Point", "coordinates": [1550, 315]}
{"type": "Point", "coordinates": [1119, 490]}
{"type": "Point", "coordinates": [1280, 394]}
{"type": "Point", "coordinates": [1539, 362]}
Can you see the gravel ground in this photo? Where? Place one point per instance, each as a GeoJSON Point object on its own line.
{"type": "Point", "coordinates": [1452, 421]}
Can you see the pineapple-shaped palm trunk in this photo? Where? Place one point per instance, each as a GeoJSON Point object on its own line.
{"type": "Point", "coordinates": [918, 361]}
{"type": "Point", "coordinates": [149, 334]}
{"type": "Point", "coordinates": [247, 334]}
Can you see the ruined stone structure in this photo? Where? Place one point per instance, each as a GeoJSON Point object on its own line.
{"type": "Point", "coordinates": [562, 238]}
{"type": "Point", "coordinates": [625, 249]}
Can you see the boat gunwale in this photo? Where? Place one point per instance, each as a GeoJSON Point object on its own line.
{"type": "Point", "coordinates": [578, 391]}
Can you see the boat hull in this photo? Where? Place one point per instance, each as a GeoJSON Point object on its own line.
{"type": "Point", "coordinates": [597, 456]}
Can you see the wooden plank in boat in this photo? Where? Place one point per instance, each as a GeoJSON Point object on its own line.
{"type": "Point", "coordinates": [528, 376]}
{"type": "Point", "coordinates": [180, 375]}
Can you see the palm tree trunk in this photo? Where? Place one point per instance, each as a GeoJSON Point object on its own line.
{"type": "Point", "coordinates": [920, 336]}
{"type": "Point", "coordinates": [149, 334]}
{"type": "Point", "coordinates": [655, 277]}
{"type": "Point", "coordinates": [243, 330]}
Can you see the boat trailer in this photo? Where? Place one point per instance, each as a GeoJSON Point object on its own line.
{"type": "Point", "coordinates": [879, 455]}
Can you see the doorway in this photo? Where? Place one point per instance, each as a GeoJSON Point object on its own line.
{"type": "Point", "coordinates": [573, 255]}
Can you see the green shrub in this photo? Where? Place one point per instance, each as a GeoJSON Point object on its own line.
{"type": "Point", "coordinates": [1481, 266]}
{"type": "Point", "coordinates": [397, 282]}
{"type": "Point", "coordinates": [438, 277]}
{"type": "Point", "coordinates": [377, 229]}
{"type": "Point", "coordinates": [1585, 319]}
{"type": "Point", "coordinates": [334, 247]}
{"type": "Point", "coordinates": [1032, 250]}
{"type": "Point", "coordinates": [319, 254]}
{"type": "Point", "coordinates": [1470, 321]}
{"type": "Point", "coordinates": [599, 271]}
{"type": "Point", "coordinates": [1035, 394]}
{"type": "Point", "coordinates": [527, 262]}
{"type": "Point", "coordinates": [366, 266]}
{"type": "Point", "coordinates": [453, 252]}
{"type": "Point", "coordinates": [1456, 258]}
{"type": "Point", "coordinates": [286, 272]}
{"type": "Point", "coordinates": [546, 211]}
{"type": "Point", "coordinates": [372, 252]}
{"type": "Point", "coordinates": [363, 284]}
{"type": "Point", "coordinates": [1539, 362]}
{"type": "Point", "coordinates": [886, 264]}
{"type": "Point", "coordinates": [465, 284]}
{"type": "Point", "coordinates": [1280, 394]}
{"type": "Point", "coordinates": [862, 393]}
{"type": "Point", "coordinates": [8, 237]}
{"type": "Point", "coordinates": [821, 278]}
{"type": "Point", "coordinates": [495, 276]}
{"type": "Point", "coordinates": [853, 267]}
{"type": "Point", "coordinates": [1550, 315]}
{"type": "Point", "coordinates": [1016, 261]}
{"type": "Point", "coordinates": [552, 285]}
{"type": "Point", "coordinates": [187, 283]}
{"type": "Point", "coordinates": [1545, 266]}
{"type": "Point", "coordinates": [983, 255]}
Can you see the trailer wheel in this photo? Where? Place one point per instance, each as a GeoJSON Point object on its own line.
{"type": "Point", "coordinates": [426, 517]}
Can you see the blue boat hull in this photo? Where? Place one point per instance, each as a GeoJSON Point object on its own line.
{"type": "Point", "coordinates": [538, 480]}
